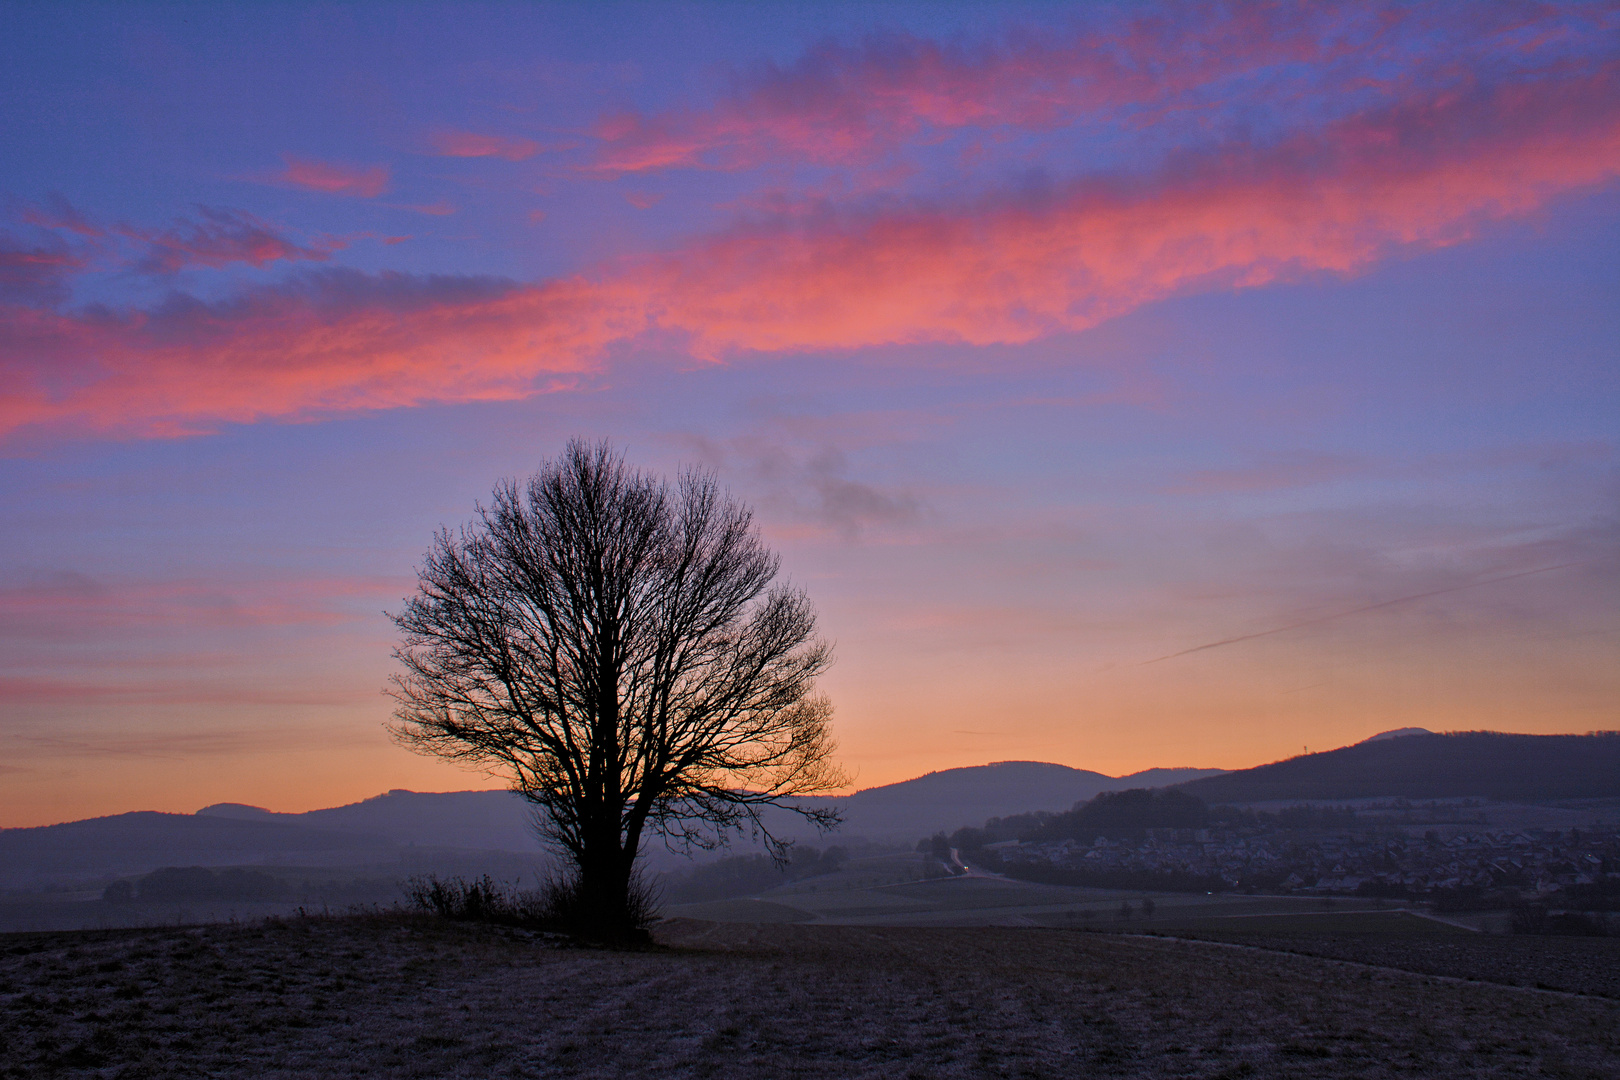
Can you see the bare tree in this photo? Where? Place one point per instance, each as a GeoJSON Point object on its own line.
{"type": "Point", "coordinates": [615, 648]}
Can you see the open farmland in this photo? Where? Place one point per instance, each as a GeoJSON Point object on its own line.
{"type": "Point", "coordinates": [889, 890]}
{"type": "Point", "coordinates": [411, 996]}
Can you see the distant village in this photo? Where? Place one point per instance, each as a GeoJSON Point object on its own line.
{"type": "Point", "coordinates": [1535, 862]}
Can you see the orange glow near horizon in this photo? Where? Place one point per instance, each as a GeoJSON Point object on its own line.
{"type": "Point", "coordinates": [1130, 386]}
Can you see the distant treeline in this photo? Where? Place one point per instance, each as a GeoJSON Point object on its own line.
{"type": "Point", "coordinates": [1129, 816]}
{"type": "Point", "coordinates": [736, 876]}
{"type": "Point", "coordinates": [1600, 895]}
{"type": "Point", "coordinates": [198, 883]}
{"type": "Point", "coordinates": [742, 875]}
{"type": "Point", "coordinates": [1126, 813]}
{"type": "Point", "coordinates": [1485, 763]}
{"type": "Point", "coordinates": [1145, 881]}
{"type": "Point", "coordinates": [195, 884]}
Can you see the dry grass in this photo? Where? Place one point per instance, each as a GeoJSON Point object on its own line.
{"type": "Point", "coordinates": [397, 996]}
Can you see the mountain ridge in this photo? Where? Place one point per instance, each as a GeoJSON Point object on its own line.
{"type": "Point", "coordinates": [1487, 764]}
{"type": "Point", "coordinates": [381, 829]}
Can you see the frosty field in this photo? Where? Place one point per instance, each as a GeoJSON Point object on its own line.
{"type": "Point", "coordinates": [409, 996]}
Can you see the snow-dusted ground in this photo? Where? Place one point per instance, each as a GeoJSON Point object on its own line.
{"type": "Point", "coordinates": [409, 996]}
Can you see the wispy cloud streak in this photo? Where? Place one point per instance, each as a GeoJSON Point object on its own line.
{"type": "Point", "coordinates": [38, 272]}
{"type": "Point", "coordinates": [467, 144]}
{"type": "Point", "coordinates": [1337, 615]}
{"type": "Point", "coordinates": [70, 605]}
{"type": "Point", "coordinates": [70, 242]}
{"type": "Point", "coordinates": [221, 237]}
{"type": "Point", "coordinates": [364, 181]}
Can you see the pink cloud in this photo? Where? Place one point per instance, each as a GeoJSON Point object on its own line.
{"type": "Point", "coordinates": [465, 144]}
{"type": "Point", "coordinates": [220, 238]}
{"type": "Point", "coordinates": [59, 214]}
{"type": "Point", "coordinates": [438, 209]}
{"type": "Point", "coordinates": [1001, 268]}
{"type": "Point", "coordinates": [643, 200]}
{"type": "Point", "coordinates": [214, 237]}
{"type": "Point", "coordinates": [365, 181]}
{"type": "Point", "coordinates": [320, 343]}
{"type": "Point", "coordinates": [844, 105]}
{"type": "Point", "coordinates": [36, 273]}
{"type": "Point", "coordinates": [1426, 174]}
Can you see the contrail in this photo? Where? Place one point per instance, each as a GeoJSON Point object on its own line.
{"type": "Point", "coordinates": [1357, 611]}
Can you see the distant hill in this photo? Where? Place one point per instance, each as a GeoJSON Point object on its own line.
{"type": "Point", "coordinates": [380, 831]}
{"type": "Point", "coordinates": [484, 820]}
{"type": "Point", "coordinates": [139, 842]}
{"type": "Point", "coordinates": [1484, 764]}
{"type": "Point", "coordinates": [947, 800]}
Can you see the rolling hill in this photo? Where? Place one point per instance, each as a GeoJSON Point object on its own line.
{"type": "Point", "coordinates": [477, 820]}
{"type": "Point", "coordinates": [1485, 764]}
{"type": "Point", "coordinates": [139, 842]}
{"type": "Point", "coordinates": [947, 800]}
{"type": "Point", "coordinates": [380, 831]}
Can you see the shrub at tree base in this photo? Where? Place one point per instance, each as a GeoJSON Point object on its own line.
{"type": "Point", "coordinates": [556, 906]}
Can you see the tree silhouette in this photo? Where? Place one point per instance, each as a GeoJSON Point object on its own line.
{"type": "Point", "coordinates": [615, 648]}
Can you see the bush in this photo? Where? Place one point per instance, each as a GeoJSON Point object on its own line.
{"type": "Point", "coordinates": [1576, 924]}
{"type": "Point", "coordinates": [1536, 919]}
{"type": "Point", "coordinates": [1602, 895]}
{"type": "Point", "coordinates": [480, 900]}
{"type": "Point", "coordinates": [557, 905]}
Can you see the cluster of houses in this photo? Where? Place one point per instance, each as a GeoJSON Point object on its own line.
{"type": "Point", "coordinates": [1378, 863]}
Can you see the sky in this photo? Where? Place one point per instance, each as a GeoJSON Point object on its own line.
{"type": "Point", "coordinates": [1129, 386]}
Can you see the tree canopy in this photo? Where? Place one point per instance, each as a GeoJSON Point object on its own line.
{"type": "Point", "coordinates": [619, 650]}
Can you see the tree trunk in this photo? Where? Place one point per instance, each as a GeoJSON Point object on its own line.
{"type": "Point", "coordinates": [603, 893]}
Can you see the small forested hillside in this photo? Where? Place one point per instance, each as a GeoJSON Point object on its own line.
{"type": "Point", "coordinates": [1466, 763]}
{"type": "Point", "coordinates": [1126, 813]}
